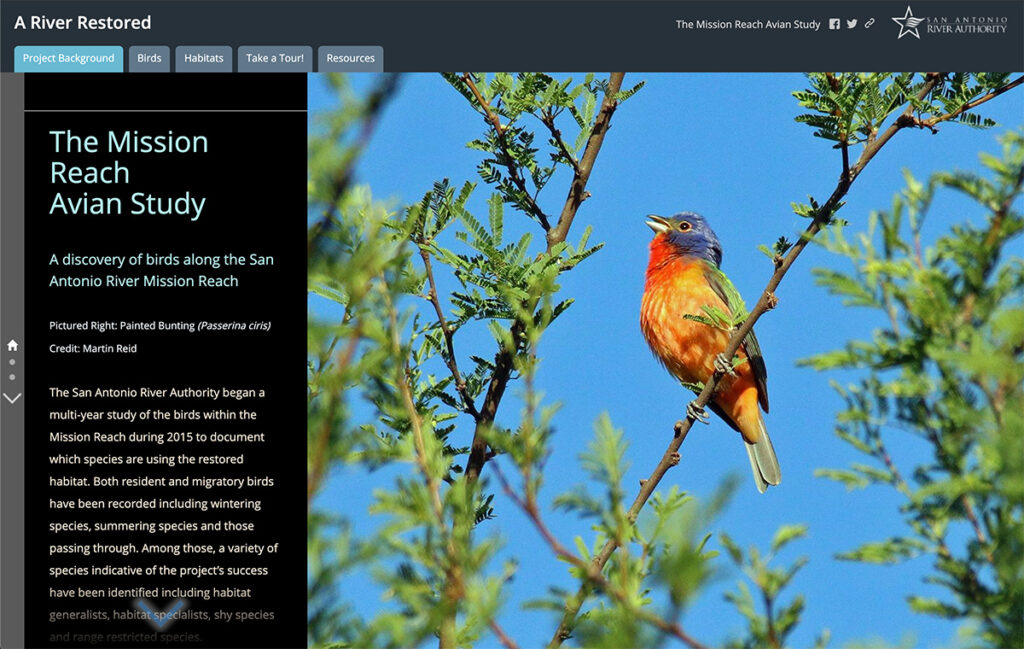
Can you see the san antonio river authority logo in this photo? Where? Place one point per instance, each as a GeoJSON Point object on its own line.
{"type": "Point", "coordinates": [959, 24]}
{"type": "Point", "coordinates": [908, 24]}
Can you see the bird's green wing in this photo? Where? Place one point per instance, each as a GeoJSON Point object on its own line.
{"type": "Point", "coordinates": [724, 289]}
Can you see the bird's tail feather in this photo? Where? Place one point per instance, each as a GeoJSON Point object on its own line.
{"type": "Point", "coordinates": [763, 462]}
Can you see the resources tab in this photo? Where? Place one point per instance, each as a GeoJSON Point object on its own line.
{"type": "Point", "coordinates": [351, 58]}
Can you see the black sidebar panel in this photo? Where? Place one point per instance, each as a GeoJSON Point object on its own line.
{"type": "Point", "coordinates": [165, 364]}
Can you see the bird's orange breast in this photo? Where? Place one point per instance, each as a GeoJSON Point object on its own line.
{"type": "Point", "coordinates": [686, 347]}
{"type": "Point", "coordinates": [676, 287]}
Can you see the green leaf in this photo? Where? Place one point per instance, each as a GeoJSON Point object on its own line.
{"type": "Point", "coordinates": [786, 534]}
{"type": "Point", "coordinates": [851, 479]}
{"type": "Point", "coordinates": [894, 550]}
{"type": "Point", "coordinates": [931, 606]}
{"type": "Point", "coordinates": [730, 546]}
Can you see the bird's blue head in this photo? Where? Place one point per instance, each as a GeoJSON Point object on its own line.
{"type": "Point", "coordinates": [687, 235]}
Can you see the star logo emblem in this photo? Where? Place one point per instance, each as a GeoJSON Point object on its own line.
{"type": "Point", "coordinates": [908, 24]}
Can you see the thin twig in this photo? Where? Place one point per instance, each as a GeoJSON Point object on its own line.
{"type": "Point", "coordinates": [591, 572]}
{"type": "Point", "coordinates": [505, 359]}
{"type": "Point", "coordinates": [890, 309]}
{"type": "Point", "coordinates": [994, 228]}
{"type": "Point", "coordinates": [671, 628]}
{"type": "Point", "coordinates": [968, 505]}
{"type": "Point", "coordinates": [446, 331]}
{"type": "Point", "coordinates": [529, 507]}
{"type": "Point", "coordinates": [509, 161]}
{"type": "Point", "coordinates": [991, 236]}
{"type": "Point", "coordinates": [341, 181]}
{"type": "Point", "coordinates": [453, 586]}
{"type": "Point", "coordinates": [578, 189]}
{"type": "Point", "coordinates": [502, 637]}
{"type": "Point", "coordinates": [319, 466]}
{"type": "Point", "coordinates": [503, 365]}
{"type": "Point", "coordinates": [415, 422]}
{"type": "Point", "coordinates": [931, 532]}
{"type": "Point", "coordinates": [556, 136]}
{"type": "Point", "coordinates": [769, 615]}
{"type": "Point", "coordinates": [846, 157]}
{"type": "Point", "coordinates": [973, 104]}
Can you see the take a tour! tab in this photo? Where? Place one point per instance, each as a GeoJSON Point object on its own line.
{"type": "Point", "coordinates": [275, 58]}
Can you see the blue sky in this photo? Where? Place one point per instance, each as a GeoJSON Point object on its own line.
{"type": "Point", "coordinates": [727, 147]}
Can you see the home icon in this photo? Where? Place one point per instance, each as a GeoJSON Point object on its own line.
{"type": "Point", "coordinates": [12, 346]}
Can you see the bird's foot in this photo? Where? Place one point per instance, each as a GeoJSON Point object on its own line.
{"type": "Point", "coordinates": [771, 300]}
{"type": "Point", "coordinates": [724, 365]}
{"type": "Point", "coordinates": [695, 412]}
{"type": "Point", "coordinates": [673, 459]}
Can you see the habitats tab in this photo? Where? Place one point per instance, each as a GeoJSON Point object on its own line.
{"type": "Point", "coordinates": [275, 58]}
{"type": "Point", "coordinates": [69, 58]}
{"type": "Point", "coordinates": [351, 58]}
{"type": "Point", "coordinates": [203, 58]}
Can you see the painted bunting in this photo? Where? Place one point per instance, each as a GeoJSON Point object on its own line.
{"type": "Point", "coordinates": [682, 277]}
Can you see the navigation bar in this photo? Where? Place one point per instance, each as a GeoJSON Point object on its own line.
{"type": "Point", "coordinates": [198, 58]}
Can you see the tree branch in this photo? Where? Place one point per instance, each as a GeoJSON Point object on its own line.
{"type": "Point", "coordinates": [591, 572]}
{"type": "Point", "coordinates": [319, 466]}
{"type": "Point", "coordinates": [766, 301]}
{"type": "Point", "coordinates": [556, 136]}
{"type": "Point", "coordinates": [504, 362]}
{"type": "Point", "coordinates": [968, 504]}
{"type": "Point", "coordinates": [503, 365]}
{"type": "Point", "coordinates": [994, 228]}
{"type": "Point", "coordinates": [446, 330]}
{"type": "Point", "coordinates": [930, 530]}
{"type": "Point", "coordinates": [505, 359]}
{"type": "Point", "coordinates": [928, 123]}
{"type": "Point", "coordinates": [529, 507]}
{"type": "Point", "coordinates": [769, 617]}
{"type": "Point", "coordinates": [513, 169]}
{"type": "Point", "coordinates": [503, 637]}
{"type": "Point", "coordinates": [415, 422]}
{"type": "Point", "coordinates": [578, 189]}
{"type": "Point", "coordinates": [453, 587]}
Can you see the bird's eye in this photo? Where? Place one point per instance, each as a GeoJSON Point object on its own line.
{"type": "Point", "coordinates": [684, 226]}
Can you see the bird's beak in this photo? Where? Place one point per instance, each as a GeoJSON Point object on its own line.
{"type": "Point", "coordinates": [658, 223]}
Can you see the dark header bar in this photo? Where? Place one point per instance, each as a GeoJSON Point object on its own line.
{"type": "Point", "coordinates": [563, 35]}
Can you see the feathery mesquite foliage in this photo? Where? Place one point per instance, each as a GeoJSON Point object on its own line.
{"type": "Point", "coordinates": [392, 339]}
{"type": "Point", "coordinates": [948, 369]}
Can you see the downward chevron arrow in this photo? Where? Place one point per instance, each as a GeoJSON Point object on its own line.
{"type": "Point", "coordinates": [16, 397]}
{"type": "Point", "coordinates": [159, 618]}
